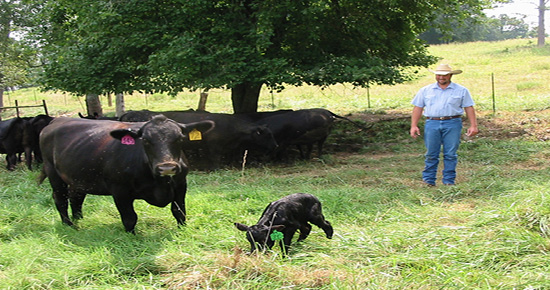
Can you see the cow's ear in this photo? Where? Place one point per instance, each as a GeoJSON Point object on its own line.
{"type": "Point", "coordinates": [242, 227]}
{"type": "Point", "coordinates": [126, 136]}
{"type": "Point", "coordinates": [278, 228]}
{"type": "Point", "coordinates": [202, 126]}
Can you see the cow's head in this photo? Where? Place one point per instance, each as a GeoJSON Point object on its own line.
{"type": "Point", "coordinates": [259, 235]}
{"type": "Point", "coordinates": [263, 137]}
{"type": "Point", "coordinates": [162, 140]}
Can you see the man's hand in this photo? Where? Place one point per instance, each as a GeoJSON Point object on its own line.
{"type": "Point", "coordinates": [415, 132]}
{"type": "Point", "coordinates": [472, 131]}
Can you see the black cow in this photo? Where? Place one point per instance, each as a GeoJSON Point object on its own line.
{"type": "Point", "coordinates": [302, 127]}
{"type": "Point", "coordinates": [126, 160]}
{"type": "Point", "coordinates": [13, 141]}
{"type": "Point", "coordinates": [287, 215]}
{"type": "Point", "coordinates": [229, 137]}
{"type": "Point", "coordinates": [37, 124]}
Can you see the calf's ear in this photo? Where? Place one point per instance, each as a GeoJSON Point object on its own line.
{"type": "Point", "coordinates": [242, 227]}
{"type": "Point", "coordinates": [277, 227]}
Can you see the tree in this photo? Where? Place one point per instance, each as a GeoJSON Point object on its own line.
{"type": "Point", "coordinates": [15, 57]}
{"type": "Point", "coordinates": [246, 44]}
{"type": "Point", "coordinates": [97, 47]}
{"type": "Point", "coordinates": [100, 46]}
{"type": "Point", "coordinates": [541, 35]}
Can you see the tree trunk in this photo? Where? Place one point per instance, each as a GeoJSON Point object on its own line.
{"type": "Point", "coordinates": [202, 101]}
{"type": "Point", "coordinates": [120, 107]}
{"type": "Point", "coordinates": [245, 97]}
{"type": "Point", "coordinates": [540, 31]}
{"type": "Point", "coordinates": [93, 105]}
{"type": "Point", "coordinates": [1, 100]}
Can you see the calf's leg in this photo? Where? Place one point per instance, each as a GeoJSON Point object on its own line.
{"type": "Point", "coordinates": [287, 240]}
{"type": "Point", "coordinates": [305, 229]}
{"type": "Point", "coordinates": [316, 217]}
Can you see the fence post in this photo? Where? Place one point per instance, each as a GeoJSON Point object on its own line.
{"type": "Point", "coordinates": [493, 90]}
{"type": "Point", "coordinates": [17, 108]}
{"type": "Point", "coordinates": [45, 107]}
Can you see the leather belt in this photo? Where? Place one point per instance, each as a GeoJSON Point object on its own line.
{"type": "Point", "coordinates": [444, 118]}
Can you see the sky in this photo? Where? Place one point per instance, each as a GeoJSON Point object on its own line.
{"type": "Point", "coordinates": [519, 8]}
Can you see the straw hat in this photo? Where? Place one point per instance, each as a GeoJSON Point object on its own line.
{"type": "Point", "coordinates": [445, 69]}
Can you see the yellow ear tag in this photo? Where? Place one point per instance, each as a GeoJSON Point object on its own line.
{"type": "Point", "coordinates": [195, 135]}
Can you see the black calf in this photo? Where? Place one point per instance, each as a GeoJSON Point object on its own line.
{"type": "Point", "coordinates": [286, 215]}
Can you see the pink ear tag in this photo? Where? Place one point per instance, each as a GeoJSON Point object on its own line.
{"type": "Point", "coordinates": [128, 140]}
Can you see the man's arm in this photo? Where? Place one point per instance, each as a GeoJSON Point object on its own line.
{"type": "Point", "coordinates": [471, 114]}
{"type": "Point", "coordinates": [415, 117]}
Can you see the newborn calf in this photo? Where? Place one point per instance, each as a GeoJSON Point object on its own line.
{"type": "Point", "coordinates": [286, 215]}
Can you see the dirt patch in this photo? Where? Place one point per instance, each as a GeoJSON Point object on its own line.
{"type": "Point", "coordinates": [502, 125]}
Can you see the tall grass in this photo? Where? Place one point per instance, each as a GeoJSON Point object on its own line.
{"type": "Point", "coordinates": [491, 231]}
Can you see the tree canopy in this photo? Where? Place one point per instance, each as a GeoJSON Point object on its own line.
{"type": "Point", "coordinates": [100, 46]}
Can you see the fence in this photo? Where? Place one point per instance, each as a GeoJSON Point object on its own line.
{"type": "Point", "coordinates": [17, 107]}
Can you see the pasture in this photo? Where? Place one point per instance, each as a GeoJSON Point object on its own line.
{"type": "Point", "coordinates": [491, 231]}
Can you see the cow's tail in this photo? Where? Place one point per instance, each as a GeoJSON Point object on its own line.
{"type": "Point", "coordinates": [351, 121]}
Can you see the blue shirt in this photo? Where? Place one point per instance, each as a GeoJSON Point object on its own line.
{"type": "Point", "coordinates": [443, 103]}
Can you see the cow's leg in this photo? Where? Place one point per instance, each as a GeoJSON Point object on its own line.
{"type": "Point", "coordinates": [320, 147]}
{"type": "Point", "coordinates": [304, 231]}
{"type": "Point", "coordinates": [28, 157]}
{"type": "Point", "coordinates": [76, 205]}
{"type": "Point", "coordinates": [178, 206]}
{"type": "Point", "coordinates": [308, 151]}
{"type": "Point", "coordinates": [61, 198]}
{"type": "Point", "coordinates": [11, 160]}
{"type": "Point", "coordinates": [38, 154]}
{"type": "Point", "coordinates": [125, 206]}
{"type": "Point", "coordinates": [60, 193]}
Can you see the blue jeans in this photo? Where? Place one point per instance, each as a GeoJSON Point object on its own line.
{"type": "Point", "coordinates": [438, 133]}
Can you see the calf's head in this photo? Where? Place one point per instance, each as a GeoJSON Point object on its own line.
{"type": "Point", "coordinates": [162, 140]}
{"type": "Point", "coordinates": [259, 235]}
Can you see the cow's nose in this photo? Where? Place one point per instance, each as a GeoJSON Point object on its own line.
{"type": "Point", "coordinates": [168, 169]}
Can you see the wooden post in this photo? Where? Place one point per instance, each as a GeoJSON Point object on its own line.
{"type": "Point", "coordinates": [45, 107]}
{"type": "Point", "coordinates": [17, 108]}
{"type": "Point", "coordinates": [493, 89]}
{"type": "Point", "coordinates": [120, 108]}
{"type": "Point", "coordinates": [368, 95]}
{"type": "Point", "coordinates": [202, 101]}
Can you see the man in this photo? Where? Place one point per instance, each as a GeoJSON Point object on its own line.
{"type": "Point", "coordinates": [443, 104]}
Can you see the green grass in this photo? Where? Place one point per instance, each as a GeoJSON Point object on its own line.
{"type": "Point", "coordinates": [491, 231]}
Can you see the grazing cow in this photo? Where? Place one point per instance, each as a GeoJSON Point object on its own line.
{"type": "Point", "coordinates": [302, 127]}
{"type": "Point", "coordinates": [126, 160]}
{"type": "Point", "coordinates": [287, 215]}
{"type": "Point", "coordinates": [13, 141]}
{"type": "Point", "coordinates": [229, 137]}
